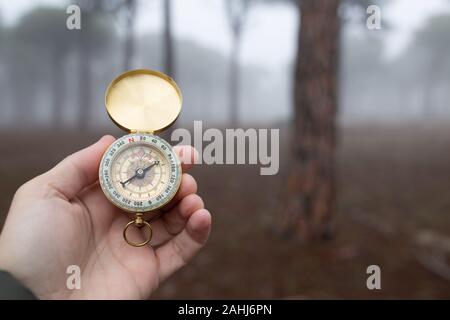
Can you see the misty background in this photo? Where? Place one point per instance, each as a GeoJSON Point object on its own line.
{"type": "Point", "coordinates": [382, 72]}
{"type": "Point", "coordinates": [364, 141]}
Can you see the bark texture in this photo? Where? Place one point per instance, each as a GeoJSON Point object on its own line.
{"type": "Point", "coordinates": [311, 181]}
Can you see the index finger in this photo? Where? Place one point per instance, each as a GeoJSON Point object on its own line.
{"type": "Point", "coordinates": [187, 155]}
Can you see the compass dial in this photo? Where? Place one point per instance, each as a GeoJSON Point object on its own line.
{"type": "Point", "coordinates": [140, 173]}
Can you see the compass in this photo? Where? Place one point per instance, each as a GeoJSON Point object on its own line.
{"type": "Point", "coordinates": [140, 173]}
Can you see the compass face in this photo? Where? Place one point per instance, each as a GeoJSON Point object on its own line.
{"type": "Point", "coordinates": [140, 173]}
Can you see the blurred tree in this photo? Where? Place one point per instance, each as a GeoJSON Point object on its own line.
{"type": "Point", "coordinates": [236, 12]}
{"type": "Point", "coordinates": [362, 69]}
{"type": "Point", "coordinates": [125, 12]}
{"type": "Point", "coordinates": [3, 69]}
{"type": "Point", "coordinates": [15, 75]}
{"type": "Point", "coordinates": [204, 95]}
{"type": "Point", "coordinates": [129, 12]}
{"type": "Point", "coordinates": [95, 33]}
{"type": "Point", "coordinates": [315, 98]}
{"type": "Point", "coordinates": [39, 46]}
{"type": "Point", "coordinates": [84, 61]}
{"type": "Point", "coordinates": [431, 45]}
{"type": "Point", "coordinates": [311, 194]}
{"type": "Point", "coordinates": [168, 52]}
{"type": "Point", "coordinates": [40, 29]}
{"type": "Point", "coordinates": [26, 70]}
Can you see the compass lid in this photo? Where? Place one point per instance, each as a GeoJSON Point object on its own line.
{"type": "Point", "coordinates": [143, 100]}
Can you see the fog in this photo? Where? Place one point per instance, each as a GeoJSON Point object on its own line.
{"type": "Point", "coordinates": [398, 73]}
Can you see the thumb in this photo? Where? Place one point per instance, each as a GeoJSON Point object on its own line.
{"type": "Point", "coordinates": [78, 170]}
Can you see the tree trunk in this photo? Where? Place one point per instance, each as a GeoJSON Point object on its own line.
{"type": "Point", "coordinates": [431, 79]}
{"type": "Point", "coordinates": [237, 12]}
{"type": "Point", "coordinates": [128, 50]}
{"type": "Point", "coordinates": [57, 87]}
{"type": "Point", "coordinates": [234, 76]}
{"type": "Point", "coordinates": [84, 75]}
{"type": "Point", "coordinates": [21, 81]}
{"type": "Point", "coordinates": [168, 61]}
{"type": "Point", "coordinates": [311, 182]}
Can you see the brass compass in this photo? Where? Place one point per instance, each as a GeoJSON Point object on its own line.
{"type": "Point", "coordinates": [139, 172]}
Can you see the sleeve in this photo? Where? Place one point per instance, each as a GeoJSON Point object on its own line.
{"type": "Point", "coordinates": [12, 289]}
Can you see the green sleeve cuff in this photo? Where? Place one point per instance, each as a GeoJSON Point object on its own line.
{"type": "Point", "coordinates": [12, 289]}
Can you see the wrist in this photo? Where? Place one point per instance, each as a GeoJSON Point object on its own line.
{"type": "Point", "coordinates": [10, 270]}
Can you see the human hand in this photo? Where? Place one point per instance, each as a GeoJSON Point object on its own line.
{"type": "Point", "coordinates": [62, 218]}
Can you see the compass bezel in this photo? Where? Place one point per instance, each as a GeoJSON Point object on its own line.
{"type": "Point", "coordinates": [120, 145]}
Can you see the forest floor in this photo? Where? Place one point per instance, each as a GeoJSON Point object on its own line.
{"type": "Point", "coordinates": [393, 211]}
